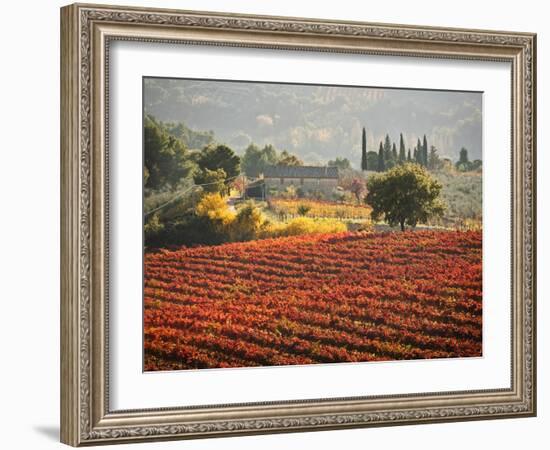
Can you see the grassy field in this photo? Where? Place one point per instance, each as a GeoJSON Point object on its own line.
{"type": "Point", "coordinates": [462, 193]}
{"type": "Point", "coordinates": [318, 208]}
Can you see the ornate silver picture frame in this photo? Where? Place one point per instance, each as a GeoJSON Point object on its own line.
{"type": "Point", "coordinates": [87, 33]}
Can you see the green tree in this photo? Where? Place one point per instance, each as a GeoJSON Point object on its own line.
{"type": "Point", "coordinates": [192, 139]}
{"type": "Point", "coordinates": [288, 159]}
{"type": "Point", "coordinates": [463, 163]}
{"type": "Point", "coordinates": [341, 163]}
{"type": "Point", "coordinates": [372, 160]}
{"type": "Point", "coordinates": [219, 157]}
{"type": "Point", "coordinates": [419, 153]}
{"type": "Point", "coordinates": [166, 159]}
{"type": "Point", "coordinates": [394, 154]}
{"type": "Point", "coordinates": [381, 166]}
{"type": "Point", "coordinates": [463, 158]}
{"type": "Point", "coordinates": [409, 159]}
{"type": "Point", "coordinates": [434, 162]}
{"type": "Point", "coordinates": [476, 164]}
{"type": "Point", "coordinates": [404, 195]}
{"type": "Point", "coordinates": [425, 151]}
{"type": "Point", "coordinates": [388, 157]}
{"type": "Point", "coordinates": [253, 161]}
{"type": "Point", "coordinates": [402, 156]}
{"type": "Point", "coordinates": [364, 165]}
{"type": "Point", "coordinates": [270, 155]}
{"type": "Point", "coordinates": [212, 180]}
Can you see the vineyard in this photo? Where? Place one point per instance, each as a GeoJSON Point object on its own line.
{"type": "Point", "coordinates": [318, 208]}
{"type": "Point", "coordinates": [343, 297]}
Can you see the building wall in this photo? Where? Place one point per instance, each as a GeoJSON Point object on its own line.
{"type": "Point", "coordinates": [324, 185]}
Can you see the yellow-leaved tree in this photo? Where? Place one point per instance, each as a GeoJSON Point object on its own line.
{"type": "Point", "coordinates": [214, 207]}
{"type": "Point", "coordinates": [248, 223]}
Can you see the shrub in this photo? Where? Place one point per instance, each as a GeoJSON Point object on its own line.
{"type": "Point", "coordinates": [289, 192]}
{"type": "Point", "coordinates": [272, 191]}
{"type": "Point", "coordinates": [247, 224]}
{"type": "Point", "coordinates": [317, 208]}
{"type": "Point", "coordinates": [187, 230]}
{"type": "Point", "coordinates": [302, 209]}
{"type": "Point", "coordinates": [153, 227]}
{"type": "Point", "coordinates": [304, 225]}
{"type": "Point", "coordinates": [318, 194]}
{"type": "Point", "coordinates": [214, 207]}
{"type": "Point", "coordinates": [340, 213]}
{"type": "Point", "coordinates": [337, 195]}
{"type": "Point", "coordinates": [214, 219]}
{"type": "Point", "coordinates": [211, 222]}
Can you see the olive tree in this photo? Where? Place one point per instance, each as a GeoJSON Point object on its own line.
{"type": "Point", "coordinates": [406, 195]}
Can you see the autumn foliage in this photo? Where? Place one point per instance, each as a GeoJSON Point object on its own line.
{"type": "Point", "coordinates": [319, 208]}
{"type": "Point", "coordinates": [322, 298]}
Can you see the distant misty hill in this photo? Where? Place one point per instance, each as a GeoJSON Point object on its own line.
{"type": "Point", "coordinates": [318, 123]}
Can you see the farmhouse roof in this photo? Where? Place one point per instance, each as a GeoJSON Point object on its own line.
{"type": "Point", "coordinates": [300, 172]}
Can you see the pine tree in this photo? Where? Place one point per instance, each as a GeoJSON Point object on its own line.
{"type": "Point", "coordinates": [409, 155]}
{"type": "Point", "coordinates": [364, 151]}
{"type": "Point", "coordinates": [394, 152]}
{"type": "Point", "coordinates": [381, 162]}
{"type": "Point", "coordinates": [401, 149]}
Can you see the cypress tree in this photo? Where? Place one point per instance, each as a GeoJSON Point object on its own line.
{"type": "Point", "coordinates": [425, 151]}
{"type": "Point", "coordinates": [419, 158]}
{"type": "Point", "coordinates": [463, 159]}
{"type": "Point", "coordinates": [463, 164]}
{"type": "Point", "coordinates": [364, 151]}
{"type": "Point", "coordinates": [394, 152]}
{"type": "Point", "coordinates": [387, 153]}
{"type": "Point", "coordinates": [433, 159]}
{"type": "Point", "coordinates": [409, 156]}
{"type": "Point", "coordinates": [381, 162]}
{"type": "Point", "coordinates": [402, 149]}
{"type": "Point", "coordinates": [387, 145]}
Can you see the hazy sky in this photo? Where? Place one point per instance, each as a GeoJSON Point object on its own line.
{"type": "Point", "coordinates": [319, 122]}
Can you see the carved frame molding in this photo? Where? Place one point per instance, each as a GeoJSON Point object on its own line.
{"type": "Point", "coordinates": [86, 32]}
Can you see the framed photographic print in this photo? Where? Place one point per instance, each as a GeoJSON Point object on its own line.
{"type": "Point", "coordinates": [277, 224]}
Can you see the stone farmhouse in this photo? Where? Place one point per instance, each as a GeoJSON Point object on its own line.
{"type": "Point", "coordinates": [307, 178]}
